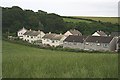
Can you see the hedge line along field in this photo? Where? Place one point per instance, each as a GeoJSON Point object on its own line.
{"type": "Point", "coordinates": [103, 19]}
{"type": "Point", "coordinates": [21, 61]}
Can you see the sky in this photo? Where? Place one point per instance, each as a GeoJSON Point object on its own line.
{"type": "Point", "coordinates": [102, 8]}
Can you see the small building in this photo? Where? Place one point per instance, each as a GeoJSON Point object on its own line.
{"type": "Point", "coordinates": [73, 32]}
{"type": "Point", "coordinates": [74, 42]}
{"type": "Point", "coordinates": [53, 39]}
{"type": "Point", "coordinates": [99, 33]}
{"type": "Point", "coordinates": [100, 43]}
{"type": "Point", "coordinates": [31, 36]}
{"type": "Point", "coordinates": [21, 32]}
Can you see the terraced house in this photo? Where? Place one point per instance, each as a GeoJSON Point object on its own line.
{"type": "Point", "coordinates": [31, 36]}
{"type": "Point", "coordinates": [74, 42]}
{"type": "Point", "coordinates": [99, 33]}
{"type": "Point", "coordinates": [100, 43]}
{"type": "Point", "coordinates": [73, 32]}
{"type": "Point", "coordinates": [52, 39]}
{"type": "Point", "coordinates": [21, 32]}
{"type": "Point", "coordinates": [118, 45]}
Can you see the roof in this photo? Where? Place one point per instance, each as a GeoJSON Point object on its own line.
{"type": "Point", "coordinates": [101, 33]}
{"type": "Point", "coordinates": [115, 34]}
{"type": "Point", "coordinates": [75, 32]}
{"type": "Point", "coordinates": [22, 29]}
{"type": "Point", "coordinates": [75, 38]}
{"type": "Point", "coordinates": [32, 33]}
{"type": "Point", "coordinates": [99, 39]}
{"type": "Point", "coordinates": [53, 36]}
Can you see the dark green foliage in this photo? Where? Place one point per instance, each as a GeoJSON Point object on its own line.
{"type": "Point", "coordinates": [15, 18]}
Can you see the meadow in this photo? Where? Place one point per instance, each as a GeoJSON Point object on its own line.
{"type": "Point", "coordinates": [75, 20]}
{"type": "Point", "coordinates": [113, 20]}
{"type": "Point", "coordinates": [21, 61]}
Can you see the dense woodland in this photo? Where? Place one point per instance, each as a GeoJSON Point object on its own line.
{"type": "Point", "coordinates": [15, 18]}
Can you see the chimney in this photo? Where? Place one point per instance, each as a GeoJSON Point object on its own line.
{"type": "Point", "coordinates": [60, 33]}
{"type": "Point", "coordinates": [38, 30]}
{"type": "Point", "coordinates": [30, 29]}
{"type": "Point", "coordinates": [49, 32]}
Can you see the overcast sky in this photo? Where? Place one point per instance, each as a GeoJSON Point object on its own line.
{"type": "Point", "coordinates": [68, 7]}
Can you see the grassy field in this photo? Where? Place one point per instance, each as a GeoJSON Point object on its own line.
{"type": "Point", "coordinates": [27, 62]}
{"type": "Point", "coordinates": [103, 19]}
{"type": "Point", "coordinates": [75, 20]}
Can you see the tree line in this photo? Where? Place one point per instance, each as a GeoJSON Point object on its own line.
{"type": "Point", "coordinates": [15, 18]}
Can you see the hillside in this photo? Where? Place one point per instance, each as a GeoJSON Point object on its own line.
{"type": "Point", "coordinates": [14, 18]}
{"type": "Point", "coordinates": [27, 62]}
{"type": "Point", "coordinates": [103, 19]}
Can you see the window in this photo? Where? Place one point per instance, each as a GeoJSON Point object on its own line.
{"type": "Point", "coordinates": [27, 36]}
{"type": "Point", "coordinates": [86, 43]}
{"type": "Point", "coordinates": [98, 44]}
{"type": "Point", "coordinates": [53, 41]}
{"type": "Point", "coordinates": [31, 36]}
{"type": "Point", "coordinates": [105, 45]}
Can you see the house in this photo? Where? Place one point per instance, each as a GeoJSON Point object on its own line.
{"type": "Point", "coordinates": [53, 39]}
{"type": "Point", "coordinates": [21, 32]}
{"type": "Point", "coordinates": [73, 32]}
{"type": "Point", "coordinates": [31, 36]}
{"type": "Point", "coordinates": [115, 34]}
{"type": "Point", "coordinates": [74, 42]}
{"type": "Point", "coordinates": [118, 45]}
{"type": "Point", "coordinates": [99, 33]}
{"type": "Point", "coordinates": [100, 43]}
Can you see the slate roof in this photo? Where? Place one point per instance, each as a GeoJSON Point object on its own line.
{"type": "Point", "coordinates": [101, 33]}
{"type": "Point", "coordinates": [99, 39]}
{"type": "Point", "coordinates": [115, 34]}
{"type": "Point", "coordinates": [75, 32]}
{"type": "Point", "coordinates": [75, 38]}
{"type": "Point", "coordinates": [32, 33]}
{"type": "Point", "coordinates": [53, 36]}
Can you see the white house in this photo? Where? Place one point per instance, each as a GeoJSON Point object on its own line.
{"type": "Point", "coordinates": [99, 33]}
{"type": "Point", "coordinates": [21, 32]}
{"type": "Point", "coordinates": [53, 39]}
{"type": "Point", "coordinates": [73, 32]}
{"type": "Point", "coordinates": [32, 36]}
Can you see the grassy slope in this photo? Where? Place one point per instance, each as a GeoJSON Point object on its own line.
{"type": "Point", "coordinates": [103, 19]}
{"type": "Point", "coordinates": [75, 20]}
{"type": "Point", "coordinates": [22, 61]}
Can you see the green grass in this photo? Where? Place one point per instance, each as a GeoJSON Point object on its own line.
{"type": "Point", "coordinates": [103, 19]}
{"type": "Point", "coordinates": [75, 20]}
{"type": "Point", "coordinates": [27, 62]}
